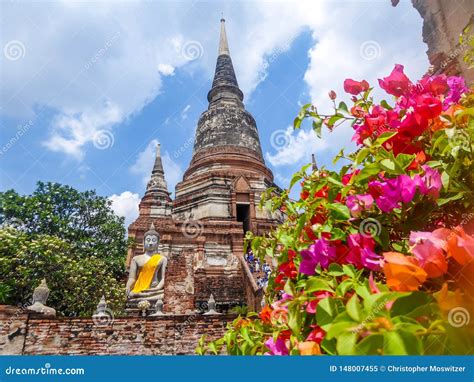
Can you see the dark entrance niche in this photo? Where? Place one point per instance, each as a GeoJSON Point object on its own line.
{"type": "Point", "coordinates": [243, 215]}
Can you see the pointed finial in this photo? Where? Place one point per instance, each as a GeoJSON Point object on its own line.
{"type": "Point", "coordinates": [222, 17]}
{"type": "Point", "coordinates": [152, 226]}
{"type": "Point", "coordinates": [313, 161]}
{"type": "Point", "coordinates": [223, 45]}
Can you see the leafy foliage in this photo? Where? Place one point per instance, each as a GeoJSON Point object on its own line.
{"type": "Point", "coordinates": [375, 258]}
{"type": "Point", "coordinates": [83, 219]}
{"type": "Point", "coordinates": [71, 238]}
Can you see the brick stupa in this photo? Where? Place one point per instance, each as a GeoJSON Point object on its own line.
{"type": "Point", "coordinates": [203, 228]}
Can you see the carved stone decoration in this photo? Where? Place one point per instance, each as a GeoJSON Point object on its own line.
{"type": "Point", "coordinates": [211, 306]}
{"type": "Point", "coordinates": [40, 296]}
{"type": "Point", "coordinates": [232, 263]}
{"type": "Point", "coordinates": [158, 309]}
{"type": "Point", "coordinates": [101, 309]}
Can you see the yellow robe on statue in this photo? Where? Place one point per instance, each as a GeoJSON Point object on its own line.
{"type": "Point", "coordinates": [146, 274]}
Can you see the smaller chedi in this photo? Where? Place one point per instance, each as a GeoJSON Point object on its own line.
{"type": "Point", "coordinates": [146, 279]}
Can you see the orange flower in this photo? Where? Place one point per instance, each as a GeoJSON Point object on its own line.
{"type": "Point", "coordinates": [461, 246]}
{"type": "Point", "coordinates": [266, 314]}
{"type": "Point", "coordinates": [402, 272]}
{"type": "Point", "coordinates": [309, 348]}
{"type": "Point", "coordinates": [448, 300]}
{"type": "Point", "coordinates": [242, 323]}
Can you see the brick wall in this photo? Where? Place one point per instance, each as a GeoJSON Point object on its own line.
{"type": "Point", "coordinates": [179, 284]}
{"type": "Point", "coordinates": [23, 333]}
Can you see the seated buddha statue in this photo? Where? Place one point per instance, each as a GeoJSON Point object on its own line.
{"type": "Point", "coordinates": [146, 278]}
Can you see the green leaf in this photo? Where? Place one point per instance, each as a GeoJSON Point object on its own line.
{"type": "Point", "coordinates": [361, 155]}
{"type": "Point", "coordinates": [404, 305]}
{"type": "Point", "coordinates": [384, 137]}
{"type": "Point", "coordinates": [326, 312]}
{"type": "Point", "coordinates": [349, 270]}
{"type": "Point", "coordinates": [294, 317]}
{"type": "Point", "coordinates": [371, 345]}
{"type": "Point", "coordinates": [317, 126]}
{"type": "Point", "coordinates": [389, 165]}
{"type": "Point", "coordinates": [342, 106]}
{"type": "Point", "coordinates": [344, 287]}
{"type": "Point", "coordinates": [385, 105]}
{"type": "Point", "coordinates": [334, 119]}
{"type": "Point", "coordinates": [401, 343]}
{"type": "Point", "coordinates": [445, 179]}
{"type": "Point", "coordinates": [404, 160]}
{"type": "Point", "coordinates": [335, 269]}
{"type": "Point", "coordinates": [346, 343]}
{"type": "Point", "coordinates": [368, 171]}
{"type": "Point", "coordinates": [315, 284]}
{"type": "Point", "coordinates": [354, 309]}
{"type": "Point", "coordinates": [297, 122]}
{"type": "Point", "coordinates": [339, 211]}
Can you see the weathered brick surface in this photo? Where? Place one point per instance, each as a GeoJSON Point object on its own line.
{"type": "Point", "coordinates": [179, 285]}
{"type": "Point", "coordinates": [26, 334]}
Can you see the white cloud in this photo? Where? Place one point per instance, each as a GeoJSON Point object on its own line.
{"type": "Point", "coordinates": [294, 147]}
{"type": "Point", "coordinates": [96, 67]}
{"type": "Point", "coordinates": [71, 131]}
{"type": "Point", "coordinates": [145, 161]}
{"type": "Point", "coordinates": [166, 69]}
{"type": "Point", "coordinates": [126, 205]}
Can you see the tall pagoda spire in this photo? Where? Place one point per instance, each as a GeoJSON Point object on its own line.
{"type": "Point", "coordinates": [223, 44]}
{"type": "Point", "coordinates": [226, 124]}
{"type": "Point", "coordinates": [157, 182]}
{"type": "Point", "coordinates": [225, 89]}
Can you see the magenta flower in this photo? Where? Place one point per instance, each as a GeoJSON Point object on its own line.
{"type": "Point", "coordinates": [386, 194]}
{"type": "Point", "coordinates": [321, 252]}
{"type": "Point", "coordinates": [359, 203]}
{"type": "Point", "coordinates": [407, 187]}
{"type": "Point", "coordinates": [361, 252]}
{"type": "Point", "coordinates": [277, 347]}
{"type": "Point", "coordinates": [457, 87]}
{"type": "Point", "coordinates": [432, 182]}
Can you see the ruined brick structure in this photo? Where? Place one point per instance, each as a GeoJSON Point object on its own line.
{"type": "Point", "coordinates": [26, 333]}
{"type": "Point", "coordinates": [443, 22]}
{"type": "Point", "coordinates": [202, 229]}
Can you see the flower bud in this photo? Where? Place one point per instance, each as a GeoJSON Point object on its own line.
{"type": "Point", "coordinates": [332, 95]}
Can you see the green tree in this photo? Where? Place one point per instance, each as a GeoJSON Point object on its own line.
{"type": "Point", "coordinates": [82, 219]}
{"type": "Point", "coordinates": [76, 283]}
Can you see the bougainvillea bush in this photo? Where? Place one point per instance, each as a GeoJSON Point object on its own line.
{"type": "Point", "coordinates": [378, 257]}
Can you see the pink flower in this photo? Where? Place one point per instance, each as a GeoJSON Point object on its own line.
{"type": "Point", "coordinates": [438, 237]}
{"type": "Point", "coordinates": [428, 248]}
{"type": "Point", "coordinates": [316, 335]}
{"type": "Point", "coordinates": [277, 347]}
{"type": "Point", "coordinates": [321, 252]}
{"type": "Point", "coordinates": [361, 252]}
{"type": "Point", "coordinates": [432, 182]}
{"type": "Point", "coordinates": [397, 83]}
{"type": "Point", "coordinates": [436, 85]}
{"type": "Point", "coordinates": [457, 87]}
{"type": "Point", "coordinates": [359, 203]}
{"type": "Point", "coordinates": [426, 107]}
{"type": "Point", "coordinates": [355, 87]}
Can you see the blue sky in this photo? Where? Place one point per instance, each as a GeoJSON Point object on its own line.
{"type": "Point", "coordinates": [89, 88]}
